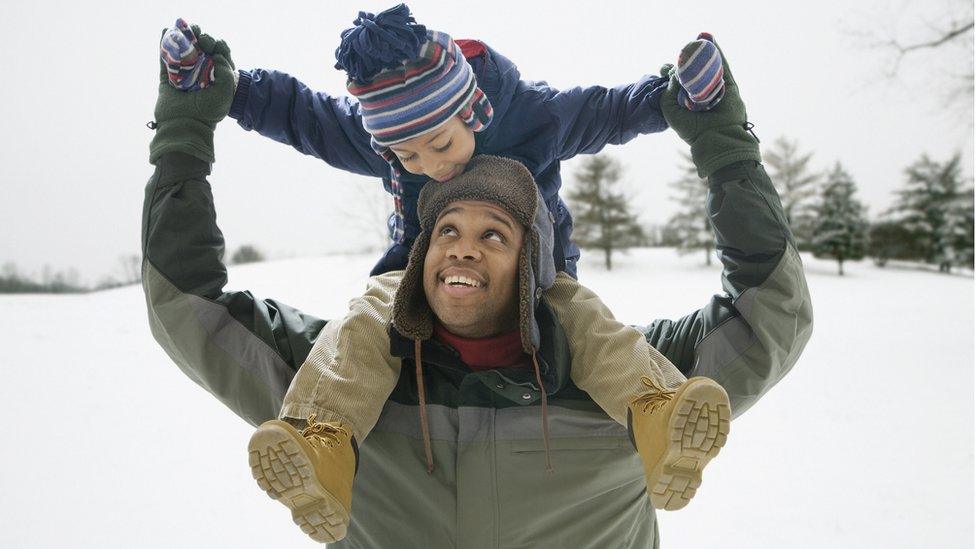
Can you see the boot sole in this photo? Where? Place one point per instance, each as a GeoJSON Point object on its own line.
{"type": "Point", "coordinates": [283, 470]}
{"type": "Point", "coordinates": [697, 429]}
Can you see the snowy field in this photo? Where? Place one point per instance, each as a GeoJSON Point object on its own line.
{"type": "Point", "coordinates": [868, 443]}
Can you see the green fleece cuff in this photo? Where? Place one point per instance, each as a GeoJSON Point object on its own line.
{"type": "Point", "coordinates": [184, 135]}
{"type": "Point", "coordinates": [719, 147]}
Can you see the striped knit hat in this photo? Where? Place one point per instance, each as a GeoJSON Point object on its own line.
{"type": "Point", "coordinates": [408, 80]}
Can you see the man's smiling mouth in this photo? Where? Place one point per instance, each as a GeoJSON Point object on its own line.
{"type": "Point", "coordinates": [462, 281]}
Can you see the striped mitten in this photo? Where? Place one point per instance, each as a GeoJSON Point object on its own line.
{"type": "Point", "coordinates": [700, 73]}
{"type": "Point", "coordinates": [188, 68]}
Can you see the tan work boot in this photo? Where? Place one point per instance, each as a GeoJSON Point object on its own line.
{"type": "Point", "coordinates": [677, 432]}
{"type": "Point", "coordinates": [310, 472]}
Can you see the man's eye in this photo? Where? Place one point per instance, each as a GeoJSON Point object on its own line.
{"type": "Point", "coordinates": [492, 235]}
{"type": "Point", "coordinates": [447, 231]}
{"type": "Point", "coordinates": [445, 147]}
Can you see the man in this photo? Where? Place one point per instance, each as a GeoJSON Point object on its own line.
{"type": "Point", "coordinates": [489, 490]}
{"type": "Point", "coordinates": [479, 270]}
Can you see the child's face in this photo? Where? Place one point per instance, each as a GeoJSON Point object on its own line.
{"type": "Point", "coordinates": [441, 154]}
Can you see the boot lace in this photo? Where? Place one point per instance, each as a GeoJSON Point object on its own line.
{"type": "Point", "coordinates": [654, 396]}
{"type": "Point", "coordinates": [324, 433]}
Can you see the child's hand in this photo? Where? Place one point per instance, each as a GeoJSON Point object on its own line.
{"type": "Point", "coordinates": [185, 120]}
{"type": "Point", "coordinates": [699, 72]}
{"type": "Point", "coordinates": [187, 66]}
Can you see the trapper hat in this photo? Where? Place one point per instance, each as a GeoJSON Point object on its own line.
{"type": "Point", "coordinates": [509, 185]}
{"type": "Point", "coordinates": [409, 80]}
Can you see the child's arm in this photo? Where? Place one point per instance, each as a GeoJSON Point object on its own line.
{"type": "Point", "coordinates": [282, 108]}
{"type": "Point", "coordinates": [587, 119]}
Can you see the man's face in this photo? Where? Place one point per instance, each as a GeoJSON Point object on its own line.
{"type": "Point", "coordinates": [440, 154]}
{"type": "Point", "coordinates": [471, 269]}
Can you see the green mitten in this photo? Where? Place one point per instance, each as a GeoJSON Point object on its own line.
{"type": "Point", "coordinates": [717, 137]}
{"type": "Point", "coordinates": [185, 120]}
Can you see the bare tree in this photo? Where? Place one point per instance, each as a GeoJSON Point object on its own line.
{"type": "Point", "coordinates": [790, 173]}
{"type": "Point", "coordinates": [938, 42]}
{"type": "Point", "coordinates": [369, 215]}
{"type": "Point", "coordinates": [689, 226]}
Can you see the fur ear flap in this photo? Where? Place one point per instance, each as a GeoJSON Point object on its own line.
{"type": "Point", "coordinates": [412, 316]}
{"type": "Point", "coordinates": [525, 297]}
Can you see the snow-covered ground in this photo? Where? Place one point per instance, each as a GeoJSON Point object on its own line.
{"type": "Point", "coordinates": [867, 443]}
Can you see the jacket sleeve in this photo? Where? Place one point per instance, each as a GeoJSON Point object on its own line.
{"type": "Point", "coordinates": [280, 107]}
{"type": "Point", "coordinates": [587, 119]}
{"type": "Point", "coordinates": [748, 337]}
{"type": "Point", "coordinates": [243, 350]}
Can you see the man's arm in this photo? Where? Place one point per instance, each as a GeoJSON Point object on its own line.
{"type": "Point", "coordinates": [750, 336]}
{"type": "Point", "coordinates": [280, 107]}
{"type": "Point", "coordinates": [243, 350]}
{"type": "Point", "coordinates": [587, 119]}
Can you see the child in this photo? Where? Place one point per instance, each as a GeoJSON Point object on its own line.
{"type": "Point", "coordinates": [422, 113]}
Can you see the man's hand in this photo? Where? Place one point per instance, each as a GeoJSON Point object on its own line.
{"type": "Point", "coordinates": [717, 137]}
{"type": "Point", "coordinates": [185, 120]}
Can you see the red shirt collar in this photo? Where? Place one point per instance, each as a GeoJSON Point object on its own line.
{"type": "Point", "coordinates": [485, 353]}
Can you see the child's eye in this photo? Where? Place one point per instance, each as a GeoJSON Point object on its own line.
{"type": "Point", "coordinates": [445, 147]}
{"type": "Point", "coordinates": [410, 158]}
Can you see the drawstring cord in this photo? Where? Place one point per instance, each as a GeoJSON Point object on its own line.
{"type": "Point", "coordinates": [424, 426]}
{"type": "Point", "coordinates": [748, 126]}
{"type": "Point", "coordinates": [654, 396]}
{"type": "Point", "coordinates": [545, 415]}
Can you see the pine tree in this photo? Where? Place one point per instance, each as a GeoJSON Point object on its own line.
{"type": "Point", "coordinates": [602, 213]}
{"type": "Point", "coordinates": [841, 228]}
{"type": "Point", "coordinates": [938, 211]}
{"type": "Point", "coordinates": [966, 243]}
{"type": "Point", "coordinates": [796, 185]}
{"type": "Point", "coordinates": [690, 226]}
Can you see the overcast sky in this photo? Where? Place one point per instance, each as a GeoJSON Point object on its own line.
{"type": "Point", "coordinates": [80, 84]}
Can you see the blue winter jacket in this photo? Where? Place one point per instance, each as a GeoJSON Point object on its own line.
{"type": "Point", "coordinates": [533, 123]}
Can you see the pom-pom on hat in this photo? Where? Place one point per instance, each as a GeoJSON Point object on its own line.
{"type": "Point", "coordinates": [409, 80]}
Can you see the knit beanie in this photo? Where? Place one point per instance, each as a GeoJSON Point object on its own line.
{"type": "Point", "coordinates": [509, 185]}
{"type": "Point", "coordinates": [409, 80]}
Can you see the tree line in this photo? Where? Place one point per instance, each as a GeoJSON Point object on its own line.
{"type": "Point", "coordinates": [12, 281]}
{"type": "Point", "coordinates": [930, 221]}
